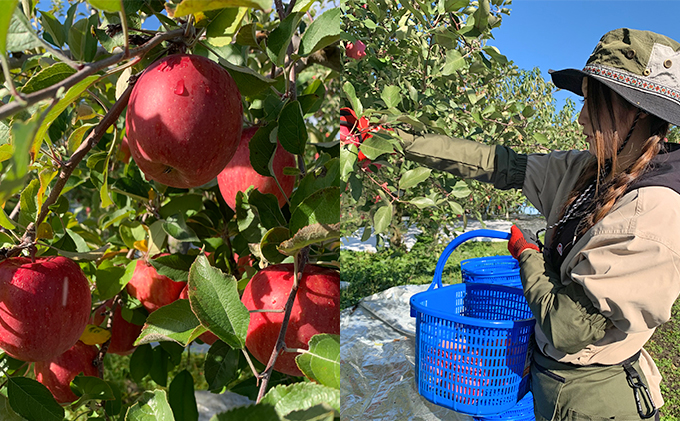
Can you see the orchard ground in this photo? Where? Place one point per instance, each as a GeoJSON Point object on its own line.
{"type": "Point", "coordinates": [365, 272]}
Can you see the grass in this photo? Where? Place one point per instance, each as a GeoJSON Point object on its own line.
{"type": "Point", "coordinates": [369, 273]}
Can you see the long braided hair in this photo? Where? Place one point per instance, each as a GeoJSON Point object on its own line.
{"type": "Point", "coordinates": [607, 143]}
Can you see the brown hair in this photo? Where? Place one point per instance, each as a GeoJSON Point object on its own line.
{"type": "Point", "coordinates": [607, 143]}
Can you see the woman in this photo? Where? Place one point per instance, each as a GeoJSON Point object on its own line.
{"type": "Point", "coordinates": [609, 272]}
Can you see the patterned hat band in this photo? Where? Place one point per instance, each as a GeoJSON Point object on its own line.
{"type": "Point", "coordinates": [630, 80]}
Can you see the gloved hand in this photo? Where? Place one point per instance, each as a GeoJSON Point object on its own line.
{"type": "Point", "coordinates": [521, 240]}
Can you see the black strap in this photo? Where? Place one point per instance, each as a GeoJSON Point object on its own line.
{"type": "Point", "coordinates": [636, 383]}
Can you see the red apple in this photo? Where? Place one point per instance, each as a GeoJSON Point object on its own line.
{"type": "Point", "coordinates": [184, 120]}
{"type": "Point", "coordinates": [124, 151]}
{"type": "Point", "coordinates": [207, 337]}
{"type": "Point", "coordinates": [316, 309]}
{"type": "Point", "coordinates": [58, 374]}
{"type": "Point", "coordinates": [44, 306]}
{"type": "Point", "coordinates": [152, 289]}
{"type": "Point", "coordinates": [238, 175]}
{"type": "Point", "coordinates": [356, 50]}
{"type": "Point", "coordinates": [123, 333]}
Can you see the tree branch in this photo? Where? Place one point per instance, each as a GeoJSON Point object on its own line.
{"type": "Point", "coordinates": [67, 169]}
{"type": "Point", "coordinates": [300, 262]}
{"type": "Point", "coordinates": [87, 70]}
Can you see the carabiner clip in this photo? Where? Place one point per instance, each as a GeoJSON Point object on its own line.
{"type": "Point", "coordinates": [636, 383]}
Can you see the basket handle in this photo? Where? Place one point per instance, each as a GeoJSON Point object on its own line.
{"type": "Point", "coordinates": [437, 280]}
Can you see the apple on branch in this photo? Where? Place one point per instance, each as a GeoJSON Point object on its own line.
{"type": "Point", "coordinates": [58, 373]}
{"type": "Point", "coordinates": [184, 120]}
{"type": "Point", "coordinates": [44, 306]}
{"type": "Point", "coordinates": [152, 289]}
{"type": "Point", "coordinates": [123, 333]}
{"type": "Point", "coordinates": [316, 309]}
{"type": "Point", "coordinates": [239, 174]}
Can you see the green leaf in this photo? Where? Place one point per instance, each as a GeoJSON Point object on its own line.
{"type": "Point", "coordinates": [259, 412]}
{"type": "Point", "coordinates": [298, 396]}
{"type": "Point", "coordinates": [351, 93]}
{"type": "Point", "coordinates": [320, 178]}
{"type": "Point", "coordinates": [495, 54]}
{"type": "Point", "coordinates": [111, 6]}
{"type": "Point", "coordinates": [151, 406]}
{"type": "Point", "coordinates": [267, 206]}
{"type": "Point", "coordinates": [21, 35]}
{"type": "Point", "coordinates": [456, 208]}
{"type": "Point", "coordinates": [5, 18]}
{"type": "Point", "coordinates": [221, 365]}
{"type": "Point", "coordinates": [112, 279]}
{"type": "Point", "coordinates": [48, 77]}
{"type": "Point", "coordinates": [322, 362]}
{"type": "Point", "coordinates": [77, 136]}
{"type": "Point", "coordinates": [173, 322]}
{"type": "Point", "coordinates": [82, 43]}
{"type": "Point", "coordinates": [302, 6]}
{"type": "Point", "coordinates": [157, 236]}
{"type": "Point", "coordinates": [140, 362]}
{"type": "Point", "coordinates": [324, 31]}
{"type": "Point", "coordinates": [177, 228]}
{"type": "Point", "coordinates": [249, 82]}
{"type": "Point", "coordinates": [88, 388]}
{"type": "Point", "coordinates": [382, 218]}
{"type": "Point", "coordinates": [188, 7]}
{"type": "Point", "coordinates": [482, 14]}
{"type": "Point", "coordinates": [528, 111]}
{"type": "Point", "coordinates": [312, 97]}
{"type": "Point", "coordinates": [376, 146]}
{"type": "Point", "coordinates": [540, 138]}
{"type": "Point", "coordinates": [270, 243]}
{"type": "Point", "coordinates": [348, 157]}
{"type": "Point", "coordinates": [461, 190]}
{"type": "Point", "coordinates": [216, 302]}
{"type": "Point", "coordinates": [422, 202]}
{"type": "Point", "coordinates": [320, 412]}
{"type": "Point", "coordinates": [73, 93]}
{"type": "Point", "coordinates": [312, 234]}
{"type": "Point", "coordinates": [279, 39]}
{"type": "Point", "coordinates": [28, 209]}
{"type": "Point", "coordinates": [160, 366]}
{"type": "Point", "coordinates": [174, 266]}
{"type": "Point", "coordinates": [454, 61]}
{"type": "Point", "coordinates": [184, 204]}
{"type": "Point", "coordinates": [222, 28]}
{"type": "Point", "coordinates": [182, 398]}
{"type": "Point", "coordinates": [130, 232]}
{"type": "Point", "coordinates": [414, 177]}
{"type": "Point", "coordinates": [5, 222]}
{"type": "Point", "coordinates": [391, 95]}
{"type": "Point", "coordinates": [322, 207]}
{"type": "Point", "coordinates": [6, 411]}
{"type": "Point", "coordinates": [292, 130]}
{"type": "Point", "coordinates": [32, 400]}
{"type": "Point", "coordinates": [262, 149]}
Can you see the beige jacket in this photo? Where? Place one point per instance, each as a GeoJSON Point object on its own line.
{"type": "Point", "coordinates": [628, 263]}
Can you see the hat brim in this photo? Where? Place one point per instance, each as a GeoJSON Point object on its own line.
{"type": "Point", "coordinates": [571, 80]}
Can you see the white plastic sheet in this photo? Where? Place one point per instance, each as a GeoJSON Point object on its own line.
{"type": "Point", "coordinates": [377, 362]}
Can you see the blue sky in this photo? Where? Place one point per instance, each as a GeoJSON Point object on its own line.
{"type": "Point", "coordinates": [558, 34]}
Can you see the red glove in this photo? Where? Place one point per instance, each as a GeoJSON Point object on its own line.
{"type": "Point", "coordinates": [521, 240]}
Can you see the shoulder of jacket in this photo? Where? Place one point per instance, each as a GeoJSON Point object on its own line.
{"type": "Point", "coordinates": [652, 213]}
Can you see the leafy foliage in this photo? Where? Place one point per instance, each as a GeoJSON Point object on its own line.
{"type": "Point", "coordinates": [67, 187]}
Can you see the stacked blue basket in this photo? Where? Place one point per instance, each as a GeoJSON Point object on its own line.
{"type": "Point", "coordinates": [472, 341]}
{"type": "Point", "coordinates": [499, 270]}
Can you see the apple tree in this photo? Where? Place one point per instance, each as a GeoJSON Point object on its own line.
{"type": "Point", "coordinates": [431, 67]}
{"type": "Point", "coordinates": [167, 242]}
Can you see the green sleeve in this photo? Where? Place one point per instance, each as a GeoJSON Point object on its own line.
{"type": "Point", "coordinates": [564, 313]}
{"type": "Point", "coordinates": [495, 164]}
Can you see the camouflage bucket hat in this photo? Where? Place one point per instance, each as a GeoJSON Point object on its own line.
{"type": "Point", "coordinates": [641, 66]}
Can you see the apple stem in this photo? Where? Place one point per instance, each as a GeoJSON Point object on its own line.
{"type": "Point", "coordinates": [252, 366]}
{"type": "Point", "coordinates": [300, 261]}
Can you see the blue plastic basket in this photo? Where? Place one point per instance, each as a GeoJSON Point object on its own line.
{"type": "Point", "coordinates": [472, 341]}
{"type": "Point", "coordinates": [523, 411]}
{"type": "Point", "coordinates": [499, 270]}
